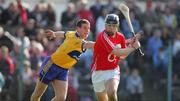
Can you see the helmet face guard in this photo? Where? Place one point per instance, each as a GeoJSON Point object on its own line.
{"type": "Point", "coordinates": [111, 20]}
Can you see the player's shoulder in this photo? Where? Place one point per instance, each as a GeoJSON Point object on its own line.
{"type": "Point", "coordinates": [100, 36]}
{"type": "Point", "coordinates": [119, 34]}
{"type": "Point", "coordinates": [70, 33]}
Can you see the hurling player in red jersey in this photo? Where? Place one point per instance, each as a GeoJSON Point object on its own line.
{"type": "Point", "coordinates": [109, 48]}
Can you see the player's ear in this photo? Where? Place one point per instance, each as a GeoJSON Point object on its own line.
{"type": "Point", "coordinates": [78, 28]}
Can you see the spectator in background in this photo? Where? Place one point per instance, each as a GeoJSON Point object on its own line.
{"type": "Point", "coordinates": [160, 67]}
{"type": "Point", "coordinates": [30, 28]}
{"type": "Point", "coordinates": [168, 18]}
{"type": "Point", "coordinates": [158, 13]}
{"type": "Point", "coordinates": [2, 3]}
{"type": "Point", "coordinates": [152, 16]}
{"type": "Point", "coordinates": [160, 60]}
{"type": "Point", "coordinates": [176, 53]}
{"type": "Point", "coordinates": [154, 43]}
{"type": "Point", "coordinates": [72, 94]}
{"type": "Point", "coordinates": [178, 14]}
{"type": "Point", "coordinates": [132, 4]}
{"type": "Point", "coordinates": [21, 45]}
{"type": "Point", "coordinates": [36, 55]}
{"type": "Point", "coordinates": [5, 40]}
{"type": "Point", "coordinates": [2, 82]}
{"type": "Point", "coordinates": [11, 15]}
{"type": "Point", "coordinates": [7, 70]}
{"type": "Point", "coordinates": [6, 62]}
{"type": "Point", "coordinates": [23, 12]}
{"type": "Point", "coordinates": [96, 9]}
{"type": "Point", "coordinates": [135, 23]}
{"type": "Point", "coordinates": [100, 22]}
{"type": "Point", "coordinates": [28, 80]}
{"type": "Point", "coordinates": [86, 59]}
{"type": "Point", "coordinates": [110, 6]}
{"type": "Point", "coordinates": [176, 44]}
{"type": "Point", "coordinates": [166, 36]}
{"type": "Point", "coordinates": [51, 15]}
{"type": "Point", "coordinates": [134, 86]}
{"type": "Point", "coordinates": [20, 36]}
{"type": "Point", "coordinates": [19, 55]}
{"type": "Point", "coordinates": [40, 36]}
{"type": "Point", "coordinates": [24, 43]}
{"type": "Point", "coordinates": [39, 14]}
{"type": "Point", "coordinates": [68, 17]}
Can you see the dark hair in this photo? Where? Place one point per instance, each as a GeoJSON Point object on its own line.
{"type": "Point", "coordinates": [81, 21]}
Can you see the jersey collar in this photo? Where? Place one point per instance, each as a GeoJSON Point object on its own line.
{"type": "Point", "coordinates": [78, 36]}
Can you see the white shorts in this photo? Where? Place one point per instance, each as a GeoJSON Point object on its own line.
{"type": "Point", "coordinates": [99, 78]}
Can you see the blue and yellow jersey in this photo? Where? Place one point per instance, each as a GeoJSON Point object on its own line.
{"type": "Point", "coordinates": [68, 53]}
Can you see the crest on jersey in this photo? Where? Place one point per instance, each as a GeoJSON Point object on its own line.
{"type": "Point", "coordinates": [112, 58]}
{"type": "Point", "coordinates": [75, 54]}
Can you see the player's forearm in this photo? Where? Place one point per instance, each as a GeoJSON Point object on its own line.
{"type": "Point", "coordinates": [59, 34]}
{"type": "Point", "coordinates": [89, 45]}
{"type": "Point", "coordinates": [123, 57]}
{"type": "Point", "coordinates": [123, 52]}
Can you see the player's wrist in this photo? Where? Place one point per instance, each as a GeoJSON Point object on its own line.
{"type": "Point", "coordinates": [53, 34]}
{"type": "Point", "coordinates": [133, 48]}
{"type": "Point", "coordinates": [115, 50]}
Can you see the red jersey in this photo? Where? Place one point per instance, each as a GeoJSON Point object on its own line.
{"type": "Point", "coordinates": [103, 59]}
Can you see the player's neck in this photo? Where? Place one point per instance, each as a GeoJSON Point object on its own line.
{"type": "Point", "coordinates": [113, 35]}
{"type": "Point", "coordinates": [79, 34]}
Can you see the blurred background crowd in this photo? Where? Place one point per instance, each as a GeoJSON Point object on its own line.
{"type": "Point", "coordinates": [23, 47]}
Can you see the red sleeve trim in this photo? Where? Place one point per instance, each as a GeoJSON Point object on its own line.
{"type": "Point", "coordinates": [108, 45]}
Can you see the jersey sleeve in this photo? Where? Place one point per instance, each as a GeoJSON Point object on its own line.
{"type": "Point", "coordinates": [123, 42]}
{"type": "Point", "coordinates": [82, 46]}
{"type": "Point", "coordinates": [66, 34]}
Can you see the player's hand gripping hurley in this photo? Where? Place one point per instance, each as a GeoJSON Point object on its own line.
{"type": "Point", "coordinates": [125, 10]}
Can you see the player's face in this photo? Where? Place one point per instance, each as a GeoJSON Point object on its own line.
{"type": "Point", "coordinates": [85, 29]}
{"type": "Point", "coordinates": [111, 29]}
